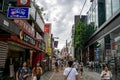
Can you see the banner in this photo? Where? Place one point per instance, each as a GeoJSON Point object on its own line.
{"type": "Point", "coordinates": [47, 28]}
{"type": "Point", "coordinates": [56, 44]}
{"type": "Point", "coordinates": [23, 3]}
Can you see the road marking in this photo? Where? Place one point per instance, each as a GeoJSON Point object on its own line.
{"type": "Point", "coordinates": [52, 76]}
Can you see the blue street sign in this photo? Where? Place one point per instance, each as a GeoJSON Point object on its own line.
{"type": "Point", "coordinates": [18, 12]}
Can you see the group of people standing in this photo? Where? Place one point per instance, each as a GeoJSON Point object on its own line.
{"type": "Point", "coordinates": [24, 72]}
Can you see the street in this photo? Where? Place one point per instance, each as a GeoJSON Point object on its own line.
{"type": "Point", "coordinates": [87, 75]}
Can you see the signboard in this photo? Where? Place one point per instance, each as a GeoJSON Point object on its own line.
{"type": "Point", "coordinates": [47, 28]}
{"type": "Point", "coordinates": [25, 3]}
{"type": "Point", "coordinates": [28, 39]}
{"type": "Point", "coordinates": [56, 44]}
{"type": "Point", "coordinates": [18, 12]}
{"type": "Point", "coordinates": [25, 26]}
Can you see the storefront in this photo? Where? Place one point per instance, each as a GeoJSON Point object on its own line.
{"type": "Point", "coordinates": [115, 52]}
{"type": "Point", "coordinates": [17, 44]}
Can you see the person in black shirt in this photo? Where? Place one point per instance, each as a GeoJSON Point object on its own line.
{"type": "Point", "coordinates": [23, 72]}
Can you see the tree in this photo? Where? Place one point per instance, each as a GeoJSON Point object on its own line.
{"type": "Point", "coordinates": [82, 34]}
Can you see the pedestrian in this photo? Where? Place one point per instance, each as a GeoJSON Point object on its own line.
{"type": "Point", "coordinates": [76, 64]}
{"type": "Point", "coordinates": [23, 72]}
{"type": "Point", "coordinates": [56, 66]}
{"type": "Point", "coordinates": [81, 69]}
{"type": "Point", "coordinates": [106, 74]}
{"type": "Point", "coordinates": [37, 71]}
{"type": "Point", "coordinates": [70, 73]}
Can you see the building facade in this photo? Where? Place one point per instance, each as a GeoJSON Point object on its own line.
{"type": "Point", "coordinates": [104, 43]}
{"type": "Point", "coordinates": [20, 40]}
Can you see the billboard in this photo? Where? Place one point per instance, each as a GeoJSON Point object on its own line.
{"type": "Point", "coordinates": [18, 12]}
{"type": "Point", "coordinates": [25, 3]}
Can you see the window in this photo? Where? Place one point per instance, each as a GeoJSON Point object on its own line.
{"type": "Point", "coordinates": [108, 9]}
{"type": "Point", "coordinates": [115, 5]}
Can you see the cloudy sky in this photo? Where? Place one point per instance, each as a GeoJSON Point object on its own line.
{"type": "Point", "coordinates": [60, 13]}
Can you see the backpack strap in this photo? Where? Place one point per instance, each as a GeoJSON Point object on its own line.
{"type": "Point", "coordinates": [69, 72]}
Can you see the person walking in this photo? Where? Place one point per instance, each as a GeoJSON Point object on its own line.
{"type": "Point", "coordinates": [106, 74]}
{"type": "Point", "coordinates": [81, 69]}
{"type": "Point", "coordinates": [23, 72]}
{"type": "Point", "coordinates": [76, 64]}
{"type": "Point", "coordinates": [70, 73]}
{"type": "Point", "coordinates": [36, 72]}
{"type": "Point", "coordinates": [56, 66]}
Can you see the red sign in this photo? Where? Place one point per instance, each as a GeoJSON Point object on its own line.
{"type": "Point", "coordinates": [22, 3]}
{"type": "Point", "coordinates": [47, 28]}
{"type": "Point", "coordinates": [25, 26]}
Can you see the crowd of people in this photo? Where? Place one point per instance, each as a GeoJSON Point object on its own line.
{"type": "Point", "coordinates": [71, 70]}
{"type": "Point", "coordinates": [74, 68]}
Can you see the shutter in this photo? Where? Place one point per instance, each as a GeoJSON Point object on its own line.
{"type": "Point", "coordinates": [3, 53]}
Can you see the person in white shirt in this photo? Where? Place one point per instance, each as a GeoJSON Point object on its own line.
{"type": "Point", "coordinates": [70, 73]}
{"type": "Point", "coordinates": [106, 74]}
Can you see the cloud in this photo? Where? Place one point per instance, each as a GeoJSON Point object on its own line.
{"type": "Point", "coordinates": [61, 14]}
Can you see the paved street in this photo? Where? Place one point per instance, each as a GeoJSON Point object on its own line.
{"type": "Point", "coordinates": [59, 76]}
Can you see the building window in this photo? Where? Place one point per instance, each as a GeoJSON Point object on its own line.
{"type": "Point", "coordinates": [115, 5]}
{"type": "Point", "coordinates": [108, 9]}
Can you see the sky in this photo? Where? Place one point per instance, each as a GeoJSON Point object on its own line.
{"type": "Point", "coordinates": [60, 13]}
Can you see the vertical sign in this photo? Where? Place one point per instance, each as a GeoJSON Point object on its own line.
{"type": "Point", "coordinates": [56, 44]}
{"type": "Point", "coordinates": [47, 28]}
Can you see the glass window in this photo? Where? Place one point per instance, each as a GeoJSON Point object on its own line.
{"type": "Point", "coordinates": [96, 23]}
{"type": "Point", "coordinates": [108, 9]}
{"type": "Point", "coordinates": [115, 5]}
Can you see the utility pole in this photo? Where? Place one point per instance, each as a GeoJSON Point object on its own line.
{"type": "Point", "coordinates": [66, 49]}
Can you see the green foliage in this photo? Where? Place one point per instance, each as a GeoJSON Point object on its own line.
{"type": "Point", "coordinates": [82, 34]}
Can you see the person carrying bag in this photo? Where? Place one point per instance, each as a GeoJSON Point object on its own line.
{"type": "Point", "coordinates": [70, 73]}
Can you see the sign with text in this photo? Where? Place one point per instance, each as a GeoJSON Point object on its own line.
{"type": "Point", "coordinates": [25, 26]}
{"type": "Point", "coordinates": [25, 3]}
{"type": "Point", "coordinates": [47, 28]}
{"type": "Point", "coordinates": [18, 12]}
